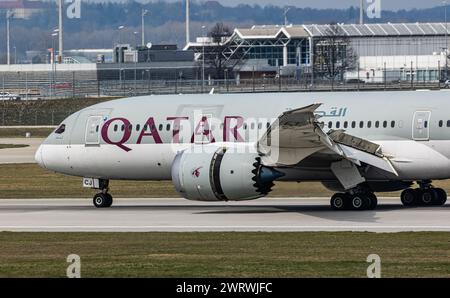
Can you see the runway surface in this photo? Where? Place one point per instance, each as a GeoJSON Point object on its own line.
{"type": "Point", "coordinates": [178, 215]}
{"type": "Point", "coordinates": [19, 155]}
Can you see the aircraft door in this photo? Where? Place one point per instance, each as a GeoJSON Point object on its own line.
{"type": "Point", "coordinates": [421, 126]}
{"type": "Point", "coordinates": [93, 130]}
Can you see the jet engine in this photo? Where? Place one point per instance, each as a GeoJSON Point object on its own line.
{"type": "Point", "coordinates": [222, 175]}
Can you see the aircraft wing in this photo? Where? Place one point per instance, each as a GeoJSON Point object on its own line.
{"type": "Point", "coordinates": [299, 134]}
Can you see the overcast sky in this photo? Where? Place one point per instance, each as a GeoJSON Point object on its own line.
{"type": "Point", "coordinates": [385, 4]}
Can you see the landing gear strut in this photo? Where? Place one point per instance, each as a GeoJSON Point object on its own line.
{"type": "Point", "coordinates": [426, 195]}
{"type": "Point", "coordinates": [364, 200]}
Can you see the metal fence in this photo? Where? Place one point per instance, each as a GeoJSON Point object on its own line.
{"type": "Point", "coordinates": [35, 117]}
{"type": "Point", "coordinates": [81, 88]}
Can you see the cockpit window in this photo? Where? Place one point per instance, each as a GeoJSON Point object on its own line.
{"type": "Point", "coordinates": [61, 129]}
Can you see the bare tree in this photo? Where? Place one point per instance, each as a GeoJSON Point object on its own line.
{"type": "Point", "coordinates": [333, 55]}
{"type": "Point", "coordinates": [214, 56]}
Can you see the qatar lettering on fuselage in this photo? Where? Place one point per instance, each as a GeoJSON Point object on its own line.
{"type": "Point", "coordinates": [231, 126]}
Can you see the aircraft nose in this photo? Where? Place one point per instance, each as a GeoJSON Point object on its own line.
{"type": "Point", "coordinates": [39, 158]}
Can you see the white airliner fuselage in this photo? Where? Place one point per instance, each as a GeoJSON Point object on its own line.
{"type": "Point", "coordinates": [232, 147]}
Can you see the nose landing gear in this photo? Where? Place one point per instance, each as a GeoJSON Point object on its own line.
{"type": "Point", "coordinates": [102, 199]}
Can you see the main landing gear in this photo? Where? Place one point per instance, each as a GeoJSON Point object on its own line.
{"type": "Point", "coordinates": [426, 195]}
{"type": "Point", "coordinates": [358, 195]}
{"type": "Point", "coordinates": [354, 201]}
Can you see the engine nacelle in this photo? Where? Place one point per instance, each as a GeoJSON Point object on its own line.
{"type": "Point", "coordinates": [222, 175]}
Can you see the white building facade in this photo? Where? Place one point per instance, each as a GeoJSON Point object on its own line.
{"type": "Point", "coordinates": [388, 51]}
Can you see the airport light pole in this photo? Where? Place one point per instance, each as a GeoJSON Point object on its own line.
{"type": "Point", "coordinates": [120, 33]}
{"type": "Point", "coordinates": [135, 58]}
{"type": "Point", "coordinates": [119, 56]}
{"type": "Point", "coordinates": [361, 12]}
{"type": "Point", "coordinates": [135, 33]}
{"type": "Point", "coordinates": [53, 47]}
{"type": "Point", "coordinates": [188, 31]}
{"type": "Point", "coordinates": [286, 10]}
{"type": "Point", "coordinates": [54, 34]}
{"type": "Point", "coordinates": [60, 28]}
{"type": "Point", "coordinates": [9, 15]}
{"type": "Point", "coordinates": [446, 39]}
{"type": "Point", "coordinates": [15, 55]}
{"type": "Point", "coordinates": [144, 13]}
{"type": "Point", "coordinates": [203, 58]}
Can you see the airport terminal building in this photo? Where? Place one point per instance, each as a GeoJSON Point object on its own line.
{"type": "Point", "coordinates": [383, 50]}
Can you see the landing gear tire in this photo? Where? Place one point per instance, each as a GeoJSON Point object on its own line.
{"type": "Point", "coordinates": [110, 200]}
{"type": "Point", "coordinates": [424, 197]}
{"type": "Point", "coordinates": [373, 201]}
{"type": "Point", "coordinates": [428, 197]}
{"type": "Point", "coordinates": [408, 197]}
{"type": "Point", "coordinates": [360, 202]}
{"type": "Point", "coordinates": [103, 200]}
{"type": "Point", "coordinates": [441, 197]}
{"type": "Point", "coordinates": [339, 201]}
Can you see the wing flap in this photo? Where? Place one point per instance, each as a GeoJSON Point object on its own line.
{"type": "Point", "coordinates": [340, 137]}
{"type": "Point", "coordinates": [358, 156]}
{"type": "Point", "coordinates": [298, 134]}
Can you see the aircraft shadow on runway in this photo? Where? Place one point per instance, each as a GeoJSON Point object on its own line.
{"type": "Point", "coordinates": [319, 211]}
{"type": "Point", "coordinates": [218, 209]}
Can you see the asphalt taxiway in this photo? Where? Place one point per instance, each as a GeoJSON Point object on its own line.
{"type": "Point", "coordinates": [19, 155]}
{"type": "Point", "coordinates": [179, 215]}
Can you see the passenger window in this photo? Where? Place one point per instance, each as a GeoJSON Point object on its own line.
{"type": "Point", "coordinates": [245, 126]}
{"type": "Point", "coordinates": [268, 124]}
{"type": "Point", "coordinates": [393, 124]}
{"type": "Point", "coordinates": [377, 124]}
{"type": "Point", "coordinates": [61, 129]}
{"type": "Point", "coordinates": [259, 126]}
{"type": "Point", "coordinates": [330, 124]}
{"type": "Point", "coordinates": [361, 124]}
{"type": "Point", "coordinates": [338, 124]}
{"type": "Point", "coordinates": [252, 126]}
{"type": "Point", "coordinates": [441, 123]}
{"type": "Point", "coordinates": [116, 127]}
{"type": "Point", "coordinates": [345, 124]}
{"type": "Point", "coordinates": [353, 124]}
{"type": "Point", "coordinates": [369, 124]}
{"type": "Point", "coordinates": [426, 124]}
{"type": "Point", "coordinates": [138, 127]}
{"type": "Point", "coordinates": [448, 123]}
{"type": "Point", "coordinates": [168, 127]}
{"type": "Point", "coordinates": [145, 127]}
{"type": "Point", "coordinates": [96, 129]}
{"type": "Point", "coordinates": [384, 124]}
{"type": "Point", "coordinates": [130, 127]}
{"type": "Point", "coordinates": [123, 127]}
{"type": "Point", "coordinates": [160, 127]}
